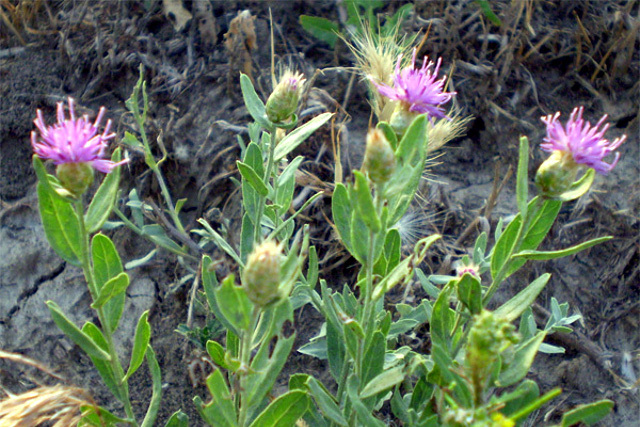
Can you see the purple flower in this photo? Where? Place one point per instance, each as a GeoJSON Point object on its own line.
{"type": "Point", "coordinates": [418, 89]}
{"type": "Point", "coordinates": [585, 143]}
{"type": "Point", "coordinates": [73, 140]}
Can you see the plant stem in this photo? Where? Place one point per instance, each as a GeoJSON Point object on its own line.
{"type": "Point", "coordinates": [245, 360]}
{"type": "Point", "coordinates": [257, 235]}
{"type": "Point", "coordinates": [87, 268]}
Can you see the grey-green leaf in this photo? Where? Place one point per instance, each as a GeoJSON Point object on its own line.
{"type": "Point", "coordinates": [140, 344]}
{"type": "Point", "coordinates": [83, 340]}
{"type": "Point", "coordinates": [104, 199]}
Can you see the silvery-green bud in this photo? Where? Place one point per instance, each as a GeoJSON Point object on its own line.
{"type": "Point", "coordinates": [556, 174]}
{"type": "Point", "coordinates": [75, 177]}
{"type": "Point", "coordinates": [283, 102]}
{"type": "Point", "coordinates": [401, 119]}
{"type": "Point", "coordinates": [261, 276]}
{"type": "Point", "coordinates": [379, 158]}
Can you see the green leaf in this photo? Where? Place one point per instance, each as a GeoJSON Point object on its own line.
{"type": "Point", "coordinates": [106, 266]}
{"type": "Point", "coordinates": [504, 246]}
{"type": "Point", "coordinates": [284, 411]}
{"type": "Point", "coordinates": [522, 360]}
{"type": "Point", "coordinates": [50, 182]}
{"type": "Point", "coordinates": [104, 199]}
{"type": "Point", "coordinates": [76, 335]}
{"type": "Point", "coordinates": [61, 225]}
{"type": "Point", "coordinates": [326, 402]}
{"type": "Point", "coordinates": [513, 308]}
{"type": "Point", "coordinates": [234, 304]}
{"type": "Point", "coordinates": [131, 140]}
{"type": "Point", "coordinates": [252, 178]}
{"type": "Point", "coordinates": [291, 141]}
{"type": "Point", "coordinates": [389, 134]}
{"type": "Point", "coordinates": [386, 380]}
{"type": "Point", "coordinates": [362, 411]}
{"type": "Point", "coordinates": [545, 255]}
{"type": "Point", "coordinates": [254, 105]}
{"type": "Point", "coordinates": [104, 367]}
{"type": "Point", "coordinates": [157, 234]}
{"type": "Point", "coordinates": [114, 287]}
{"type": "Point", "coordinates": [589, 413]}
{"type": "Point", "coordinates": [261, 383]}
{"type": "Point", "coordinates": [364, 202]}
{"type": "Point", "coordinates": [486, 10]}
{"type": "Point", "coordinates": [178, 419]}
{"type": "Point", "coordinates": [221, 242]}
{"type": "Point", "coordinates": [341, 210]}
{"type": "Point", "coordinates": [373, 361]}
{"type": "Point", "coordinates": [522, 181]}
{"type": "Point", "coordinates": [470, 293]}
{"type": "Point", "coordinates": [217, 354]}
{"type": "Point", "coordinates": [209, 283]}
{"type": "Point", "coordinates": [287, 185]}
{"type": "Point", "coordinates": [220, 411]}
{"type": "Point", "coordinates": [140, 344]}
{"type": "Point", "coordinates": [442, 319]}
{"type": "Point", "coordinates": [321, 28]}
{"type": "Point", "coordinates": [98, 416]}
{"type": "Point", "coordinates": [399, 273]}
{"type": "Point", "coordinates": [156, 394]}
{"type": "Point", "coordinates": [578, 188]}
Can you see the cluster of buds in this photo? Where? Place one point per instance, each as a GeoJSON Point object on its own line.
{"type": "Point", "coordinates": [489, 336]}
{"type": "Point", "coordinates": [283, 102]}
{"type": "Point", "coordinates": [261, 277]}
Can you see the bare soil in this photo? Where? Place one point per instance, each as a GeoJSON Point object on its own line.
{"type": "Point", "coordinates": [546, 56]}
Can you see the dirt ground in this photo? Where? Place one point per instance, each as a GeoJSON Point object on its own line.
{"type": "Point", "coordinates": [546, 56]}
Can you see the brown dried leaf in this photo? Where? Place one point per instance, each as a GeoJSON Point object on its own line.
{"type": "Point", "coordinates": [207, 26]}
{"type": "Point", "coordinates": [176, 13]}
{"type": "Point", "coordinates": [240, 41]}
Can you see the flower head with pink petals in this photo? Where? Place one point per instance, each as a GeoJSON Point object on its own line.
{"type": "Point", "coordinates": [73, 140]}
{"type": "Point", "coordinates": [584, 142]}
{"type": "Point", "coordinates": [418, 89]}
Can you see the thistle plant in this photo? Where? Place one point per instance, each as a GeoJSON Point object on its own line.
{"type": "Point", "coordinates": [72, 228]}
{"type": "Point", "coordinates": [473, 371]}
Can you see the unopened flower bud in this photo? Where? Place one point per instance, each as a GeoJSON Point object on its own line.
{"type": "Point", "coordinates": [379, 158]}
{"type": "Point", "coordinates": [283, 102]}
{"type": "Point", "coordinates": [401, 119]}
{"type": "Point", "coordinates": [75, 177]}
{"type": "Point", "coordinates": [261, 276]}
{"type": "Point", "coordinates": [556, 174]}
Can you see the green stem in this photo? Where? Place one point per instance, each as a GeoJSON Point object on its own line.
{"type": "Point", "coordinates": [368, 318]}
{"type": "Point", "coordinates": [257, 235]}
{"type": "Point", "coordinates": [502, 273]}
{"type": "Point", "coordinates": [87, 269]}
{"type": "Point", "coordinates": [245, 361]}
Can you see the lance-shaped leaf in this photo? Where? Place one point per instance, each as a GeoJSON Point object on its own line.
{"type": "Point", "coordinates": [254, 104]}
{"type": "Point", "coordinates": [513, 308]}
{"type": "Point", "coordinates": [84, 341]}
{"type": "Point", "coordinates": [220, 411]}
{"type": "Point", "coordinates": [102, 202]}
{"type": "Point", "coordinates": [234, 303]}
{"type": "Point", "coordinates": [250, 175]}
{"type": "Point", "coordinates": [291, 141]}
{"type": "Point", "coordinates": [114, 287]}
{"type": "Point", "coordinates": [545, 255]}
{"type": "Point", "coordinates": [284, 411]}
{"type": "Point", "coordinates": [522, 361]}
{"type": "Point", "coordinates": [61, 224]}
{"type": "Point", "coordinates": [107, 266]}
{"type": "Point", "coordinates": [364, 202]}
{"type": "Point", "coordinates": [140, 344]}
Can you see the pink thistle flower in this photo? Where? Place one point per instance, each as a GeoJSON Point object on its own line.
{"type": "Point", "coordinates": [73, 140]}
{"type": "Point", "coordinates": [418, 89]}
{"type": "Point", "coordinates": [585, 143]}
